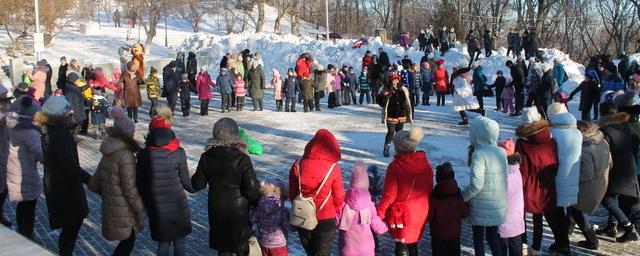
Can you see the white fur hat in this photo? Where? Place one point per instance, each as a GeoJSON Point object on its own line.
{"type": "Point", "coordinates": [408, 141]}
{"type": "Point", "coordinates": [557, 108]}
{"type": "Point", "coordinates": [530, 115]}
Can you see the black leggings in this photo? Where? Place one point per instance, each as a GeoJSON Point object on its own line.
{"type": "Point", "coordinates": [406, 249]}
{"type": "Point", "coordinates": [25, 217]}
{"type": "Point", "coordinates": [317, 242]}
{"type": "Point", "coordinates": [125, 247]}
{"type": "Point", "coordinates": [391, 130]}
{"type": "Point", "coordinates": [133, 114]}
{"type": "Point", "coordinates": [68, 238]}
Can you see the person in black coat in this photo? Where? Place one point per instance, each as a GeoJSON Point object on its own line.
{"type": "Point", "coordinates": [499, 84]}
{"type": "Point", "coordinates": [545, 92]}
{"type": "Point", "coordinates": [73, 93]}
{"type": "Point", "coordinates": [488, 43]}
{"type": "Point", "coordinates": [62, 73]}
{"type": "Point", "coordinates": [383, 59]}
{"type": "Point", "coordinates": [163, 176]}
{"type": "Point", "coordinates": [170, 89]}
{"type": "Point", "coordinates": [63, 177]}
{"type": "Point", "coordinates": [423, 41]}
{"type": "Point", "coordinates": [223, 62]}
{"type": "Point", "coordinates": [192, 70]}
{"type": "Point", "coordinates": [47, 81]}
{"type": "Point", "coordinates": [533, 44]}
{"type": "Point", "coordinates": [518, 81]}
{"type": "Point", "coordinates": [179, 64]}
{"type": "Point", "coordinates": [589, 94]}
{"type": "Point", "coordinates": [622, 176]}
{"type": "Point", "coordinates": [227, 167]}
{"type": "Point", "coordinates": [624, 68]}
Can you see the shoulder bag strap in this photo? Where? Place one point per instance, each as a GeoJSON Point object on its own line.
{"type": "Point", "coordinates": [299, 174]}
{"type": "Point", "coordinates": [322, 184]}
{"type": "Point", "coordinates": [410, 189]}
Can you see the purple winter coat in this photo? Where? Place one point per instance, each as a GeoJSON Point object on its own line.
{"type": "Point", "coordinates": [338, 81]}
{"type": "Point", "coordinates": [514, 219]}
{"type": "Point", "coordinates": [25, 151]}
{"type": "Point", "coordinates": [273, 222]}
{"type": "Point", "coordinates": [356, 221]}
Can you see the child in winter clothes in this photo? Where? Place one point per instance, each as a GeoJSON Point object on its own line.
{"type": "Point", "coordinates": [98, 113]}
{"type": "Point", "coordinates": [499, 84]}
{"type": "Point", "coordinates": [513, 227]}
{"type": "Point", "coordinates": [152, 83]}
{"type": "Point", "coordinates": [353, 85]}
{"type": "Point", "coordinates": [365, 88]}
{"type": "Point", "coordinates": [272, 218]}
{"type": "Point", "coordinates": [276, 83]}
{"type": "Point", "coordinates": [357, 218]}
{"type": "Point", "coordinates": [184, 86]}
{"type": "Point", "coordinates": [447, 209]}
{"type": "Point", "coordinates": [506, 98]}
{"type": "Point", "coordinates": [290, 90]}
{"type": "Point", "coordinates": [241, 92]}
{"type": "Point", "coordinates": [331, 86]}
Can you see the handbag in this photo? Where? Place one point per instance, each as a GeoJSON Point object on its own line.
{"type": "Point", "coordinates": [254, 247]}
{"type": "Point", "coordinates": [398, 217]}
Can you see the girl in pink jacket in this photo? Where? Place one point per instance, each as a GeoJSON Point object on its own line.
{"type": "Point", "coordinates": [276, 83]}
{"type": "Point", "coordinates": [358, 218]}
{"type": "Point", "coordinates": [513, 226]}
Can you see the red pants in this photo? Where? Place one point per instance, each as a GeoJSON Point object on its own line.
{"type": "Point", "coordinates": [279, 251]}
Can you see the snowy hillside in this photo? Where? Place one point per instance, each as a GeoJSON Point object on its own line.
{"type": "Point", "coordinates": [281, 51]}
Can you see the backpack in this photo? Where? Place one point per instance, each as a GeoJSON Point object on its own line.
{"type": "Point", "coordinates": [303, 209]}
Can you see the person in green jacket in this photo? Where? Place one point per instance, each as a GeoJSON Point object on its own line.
{"type": "Point", "coordinates": [152, 83]}
{"type": "Point", "coordinates": [365, 88]}
{"type": "Point", "coordinates": [256, 85]}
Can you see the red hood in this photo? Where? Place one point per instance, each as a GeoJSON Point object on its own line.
{"type": "Point", "coordinates": [411, 162]}
{"type": "Point", "coordinates": [323, 146]}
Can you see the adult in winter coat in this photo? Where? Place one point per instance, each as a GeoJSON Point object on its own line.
{"type": "Point", "coordinates": [426, 77]}
{"type": "Point", "coordinates": [589, 94]}
{"type": "Point", "coordinates": [203, 89]}
{"type": "Point", "coordinates": [473, 46]}
{"type": "Point", "coordinates": [5, 102]}
{"type": "Point", "coordinates": [321, 156]}
{"type": "Point", "coordinates": [25, 151]}
{"type": "Point", "coordinates": [73, 94]}
{"type": "Point", "coordinates": [319, 85]}
{"type": "Point", "coordinates": [180, 64]}
{"type": "Point", "coordinates": [226, 166]}
{"type": "Point", "coordinates": [518, 82]}
{"type": "Point", "coordinates": [440, 82]}
{"type": "Point", "coordinates": [533, 44]}
{"type": "Point", "coordinates": [192, 67]}
{"type": "Point", "coordinates": [622, 176]}
{"type": "Point", "coordinates": [463, 95]}
{"type": "Point", "coordinates": [383, 58]}
{"type": "Point", "coordinates": [256, 85]}
{"type": "Point", "coordinates": [132, 96]}
{"type": "Point", "coordinates": [62, 73]}
{"type": "Point", "coordinates": [170, 88]}
{"type": "Point", "coordinates": [358, 218]}
{"type": "Point", "coordinates": [407, 184]}
{"type": "Point", "coordinates": [538, 167]}
{"type": "Point", "coordinates": [568, 139]}
{"type": "Point", "coordinates": [487, 190]}
{"type": "Point", "coordinates": [162, 177]}
{"type": "Point", "coordinates": [513, 43]}
{"type": "Point", "coordinates": [595, 163]}
{"type": "Point", "coordinates": [479, 81]}
{"type": "Point", "coordinates": [559, 74]}
{"type": "Point", "coordinates": [487, 40]}
{"type": "Point", "coordinates": [422, 40]}
{"type": "Point", "coordinates": [38, 82]}
{"type": "Point", "coordinates": [304, 65]}
{"type": "Point", "coordinates": [396, 110]}
{"type": "Point", "coordinates": [443, 39]}
{"type": "Point", "coordinates": [364, 86]}
{"type": "Point", "coordinates": [63, 176]}
{"type": "Point", "coordinates": [290, 90]}
{"type": "Point", "coordinates": [545, 92]}
{"type": "Point", "coordinates": [452, 37]}
{"type": "Point", "coordinates": [123, 212]}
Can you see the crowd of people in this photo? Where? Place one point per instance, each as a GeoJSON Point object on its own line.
{"type": "Point", "coordinates": [557, 168]}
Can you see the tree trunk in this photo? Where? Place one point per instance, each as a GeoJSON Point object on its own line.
{"type": "Point", "coordinates": [154, 17]}
{"type": "Point", "coordinates": [295, 20]}
{"type": "Point", "coordinates": [196, 17]}
{"type": "Point", "coordinates": [260, 22]}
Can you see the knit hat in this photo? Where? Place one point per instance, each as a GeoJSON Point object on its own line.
{"type": "Point", "coordinates": [55, 106]}
{"type": "Point", "coordinates": [557, 108]}
{"type": "Point", "coordinates": [319, 67]}
{"type": "Point", "coordinates": [625, 99]}
{"type": "Point", "coordinates": [508, 146]}
{"type": "Point", "coordinates": [163, 118]}
{"type": "Point", "coordinates": [444, 172]}
{"type": "Point", "coordinates": [359, 176]}
{"type": "Point", "coordinates": [407, 141]}
{"type": "Point", "coordinates": [23, 87]}
{"type": "Point", "coordinates": [122, 122]}
{"type": "Point", "coordinates": [499, 72]}
{"type": "Point", "coordinates": [27, 106]}
{"type": "Point", "coordinates": [153, 71]}
{"type": "Point", "coordinates": [530, 115]}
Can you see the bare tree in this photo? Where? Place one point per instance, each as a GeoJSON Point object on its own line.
{"type": "Point", "coordinates": [260, 22]}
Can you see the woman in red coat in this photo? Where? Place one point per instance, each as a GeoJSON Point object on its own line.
{"type": "Point", "coordinates": [440, 78]}
{"type": "Point", "coordinates": [203, 87]}
{"type": "Point", "coordinates": [321, 155]}
{"type": "Point", "coordinates": [539, 166]}
{"type": "Point", "coordinates": [405, 196]}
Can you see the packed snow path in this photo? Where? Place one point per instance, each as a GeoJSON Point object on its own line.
{"type": "Point", "coordinates": [284, 136]}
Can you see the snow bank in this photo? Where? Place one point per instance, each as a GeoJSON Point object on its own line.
{"type": "Point", "coordinates": [281, 52]}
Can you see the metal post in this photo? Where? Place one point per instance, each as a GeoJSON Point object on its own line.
{"type": "Point", "coordinates": [37, 7]}
{"type": "Point", "coordinates": [326, 15]}
{"type": "Point", "coordinates": [166, 39]}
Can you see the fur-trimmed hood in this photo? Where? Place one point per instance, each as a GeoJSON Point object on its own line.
{"type": "Point", "coordinates": [239, 144]}
{"type": "Point", "coordinates": [42, 119]}
{"type": "Point", "coordinates": [613, 119]}
{"type": "Point", "coordinates": [527, 130]}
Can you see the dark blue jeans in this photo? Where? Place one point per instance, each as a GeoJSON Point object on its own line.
{"type": "Point", "coordinates": [610, 202]}
{"type": "Point", "coordinates": [493, 239]}
{"type": "Point", "coordinates": [178, 247]}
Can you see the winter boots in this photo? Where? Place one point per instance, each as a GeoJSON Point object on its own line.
{"type": "Point", "coordinates": [385, 151]}
{"type": "Point", "coordinates": [278, 105]}
{"type": "Point", "coordinates": [629, 235]}
{"type": "Point", "coordinates": [591, 241]}
{"type": "Point", "coordinates": [465, 119]}
{"type": "Point", "coordinates": [610, 230]}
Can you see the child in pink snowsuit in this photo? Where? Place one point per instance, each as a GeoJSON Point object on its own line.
{"type": "Point", "coordinates": [513, 225]}
{"type": "Point", "coordinates": [358, 218]}
{"type": "Point", "coordinates": [507, 99]}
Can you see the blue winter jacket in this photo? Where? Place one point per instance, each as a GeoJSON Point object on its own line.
{"type": "Point", "coordinates": [224, 83]}
{"type": "Point", "coordinates": [487, 190]}
{"type": "Point", "coordinates": [569, 142]}
{"type": "Point", "coordinates": [427, 80]}
{"type": "Point", "coordinates": [560, 75]}
{"type": "Point", "coordinates": [291, 87]}
{"type": "Point", "coordinates": [479, 79]}
{"type": "Point", "coordinates": [613, 83]}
